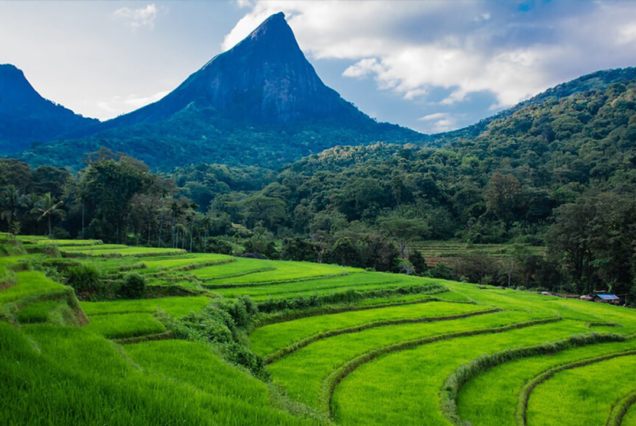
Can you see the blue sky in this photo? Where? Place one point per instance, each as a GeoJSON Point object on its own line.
{"type": "Point", "coordinates": [429, 65]}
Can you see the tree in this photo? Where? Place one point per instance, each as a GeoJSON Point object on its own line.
{"type": "Point", "coordinates": [418, 262]}
{"type": "Point", "coordinates": [503, 196]}
{"type": "Point", "coordinates": [268, 210]}
{"type": "Point", "coordinates": [11, 199]}
{"type": "Point", "coordinates": [404, 230]}
{"type": "Point", "coordinates": [107, 187]}
{"type": "Point", "coordinates": [47, 207]}
{"type": "Point", "coordinates": [344, 252]}
{"type": "Point", "coordinates": [298, 249]}
{"type": "Point", "coordinates": [568, 240]}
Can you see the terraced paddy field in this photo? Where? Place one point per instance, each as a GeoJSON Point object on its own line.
{"type": "Point", "coordinates": [222, 340]}
{"type": "Point", "coordinates": [436, 252]}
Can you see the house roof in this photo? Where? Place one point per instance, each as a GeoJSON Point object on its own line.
{"type": "Point", "coordinates": [608, 296]}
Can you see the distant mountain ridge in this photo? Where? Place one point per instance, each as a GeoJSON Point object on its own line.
{"type": "Point", "coordinates": [259, 103]}
{"type": "Point", "coordinates": [598, 80]}
{"type": "Point", "coordinates": [27, 117]}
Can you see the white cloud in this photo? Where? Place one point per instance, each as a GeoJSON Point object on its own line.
{"type": "Point", "coordinates": [464, 47]}
{"type": "Point", "coordinates": [435, 116]}
{"type": "Point", "coordinates": [442, 121]}
{"type": "Point", "coordinates": [627, 33]}
{"type": "Point", "coordinates": [138, 18]}
{"type": "Point", "coordinates": [118, 105]}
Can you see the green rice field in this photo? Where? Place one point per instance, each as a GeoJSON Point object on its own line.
{"type": "Point", "coordinates": [220, 340]}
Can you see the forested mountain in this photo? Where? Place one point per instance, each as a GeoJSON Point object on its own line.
{"type": "Point", "coordinates": [260, 103]}
{"type": "Point", "coordinates": [599, 80]}
{"type": "Point", "coordinates": [26, 117]}
{"type": "Point", "coordinates": [560, 173]}
{"type": "Point", "coordinates": [502, 184]}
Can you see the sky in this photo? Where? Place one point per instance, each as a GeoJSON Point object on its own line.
{"type": "Point", "coordinates": [429, 65]}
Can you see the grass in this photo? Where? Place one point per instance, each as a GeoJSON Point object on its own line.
{"type": "Point", "coordinates": [174, 306]}
{"type": "Point", "coordinates": [121, 251]}
{"type": "Point", "coordinates": [491, 397]}
{"type": "Point", "coordinates": [68, 243]}
{"type": "Point", "coordinates": [240, 266]}
{"type": "Point", "coordinates": [360, 345]}
{"type": "Point", "coordinates": [442, 251]}
{"type": "Point", "coordinates": [303, 372]}
{"type": "Point", "coordinates": [30, 284]}
{"type": "Point", "coordinates": [271, 338]}
{"type": "Point", "coordinates": [63, 375]}
{"type": "Point", "coordinates": [194, 363]}
{"type": "Point", "coordinates": [115, 265]}
{"type": "Point", "coordinates": [630, 417]}
{"type": "Point", "coordinates": [284, 271]}
{"type": "Point", "coordinates": [403, 387]}
{"type": "Point", "coordinates": [120, 326]}
{"type": "Point", "coordinates": [582, 395]}
{"type": "Point", "coordinates": [189, 261]}
{"type": "Point", "coordinates": [315, 286]}
{"type": "Point", "coordinates": [450, 296]}
{"type": "Point", "coordinates": [90, 249]}
{"type": "Point", "coordinates": [37, 312]}
{"type": "Point", "coordinates": [353, 281]}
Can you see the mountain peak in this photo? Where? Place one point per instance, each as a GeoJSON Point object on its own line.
{"type": "Point", "coordinates": [264, 79]}
{"type": "Point", "coordinates": [272, 41]}
{"type": "Point", "coordinates": [25, 116]}
{"type": "Point", "coordinates": [15, 89]}
{"type": "Point", "coordinates": [273, 29]}
{"type": "Point", "coordinates": [9, 69]}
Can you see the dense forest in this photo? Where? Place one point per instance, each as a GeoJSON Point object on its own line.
{"type": "Point", "coordinates": [201, 134]}
{"type": "Point", "coordinates": [558, 173]}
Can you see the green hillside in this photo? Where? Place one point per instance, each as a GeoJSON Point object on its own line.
{"type": "Point", "coordinates": [94, 333]}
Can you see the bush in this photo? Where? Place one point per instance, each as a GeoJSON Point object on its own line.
{"type": "Point", "coordinates": [84, 278]}
{"type": "Point", "coordinates": [51, 251]}
{"type": "Point", "coordinates": [133, 287]}
{"type": "Point", "coordinates": [442, 271]}
{"type": "Point", "coordinates": [216, 245]}
{"type": "Point", "coordinates": [224, 324]}
{"type": "Point", "coordinates": [418, 262]}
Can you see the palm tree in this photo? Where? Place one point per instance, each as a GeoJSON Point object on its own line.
{"type": "Point", "coordinates": [10, 200]}
{"type": "Point", "coordinates": [47, 207]}
{"type": "Point", "coordinates": [207, 223]}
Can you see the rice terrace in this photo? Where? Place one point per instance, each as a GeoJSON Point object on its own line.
{"type": "Point", "coordinates": [214, 339]}
{"type": "Point", "coordinates": [318, 212]}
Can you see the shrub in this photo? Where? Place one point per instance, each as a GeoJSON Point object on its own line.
{"type": "Point", "coordinates": [84, 278]}
{"type": "Point", "coordinates": [224, 325]}
{"type": "Point", "coordinates": [418, 262]}
{"type": "Point", "coordinates": [133, 287]}
{"type": "Point", "coordinates": [442, 271]}
{"type": "Point", "coordinates": [217, 245]}
{"type": "Point", "coordinates": [51, 251]}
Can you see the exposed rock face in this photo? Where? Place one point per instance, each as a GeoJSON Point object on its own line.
{"type": "Point", "coordinates": [263, 79]}
{"type": "Point", "coordinates": [25, 116]}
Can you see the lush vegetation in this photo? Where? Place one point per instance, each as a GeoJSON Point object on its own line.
{"type": "Point", "coordinates": [203, 134]}
{"type": "Point", "coordinates": [540, 196]}
{"type": "Point", "coordinates": [336, 290]}
{"type": "Point", "coordinates": [317, 344]}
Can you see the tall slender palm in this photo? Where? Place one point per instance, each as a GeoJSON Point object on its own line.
{"type": "Point", "coordinates": [207, 223]}
{"type": "Point", "coordinates": [10, 200]}
{"type": "Point", "coordinates": [47, 207]}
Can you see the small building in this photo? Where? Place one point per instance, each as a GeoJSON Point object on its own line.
{"type": "Point", "coordinates": [587, 298]}
{"type": "Point", "coordinates": [607, 298]}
